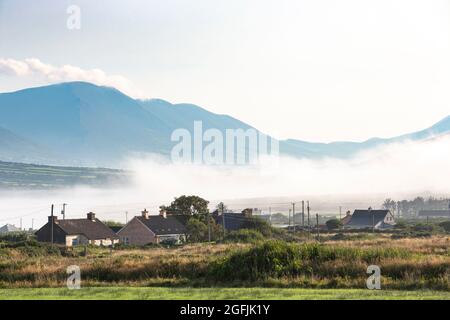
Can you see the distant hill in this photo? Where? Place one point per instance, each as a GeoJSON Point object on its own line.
{"type": "Point", "coordinates": [29, 176]}
{"type": "Point", "coordinates": [78, 123]}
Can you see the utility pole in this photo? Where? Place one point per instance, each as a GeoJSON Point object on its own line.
{"type": "Point", "coordinates": [293, 214]}
{"type": "Point", "coordinates": [20, 224]}
{"type": "Point", "coordinates": [308, 209]}
{"type": "Point", "coordinates": [52, 222]}
{"type": "Point", "coordinates": [317, 223]}
{"type": "Point", "coordinates": [32, 223]}
{"type": "Point", "coordinates": [63, 211]}
{"type": "Point", "coordinates": [270, 215]}
{"type": "Point", "coordinates": [340, 213]}
{"type": "Point", "coordinates": [309, 221]}
{"type": "Point", "coordinates": [289, 227]}
{"type": "Point", "coordinates": [209, 227]}
{"type": "Point", "coordinates": [373, 223]}
{"type": "Point", "coordinates": [223, 219]}
{"type": "Point", "coordinates": [303, 213]}
{"type": "Point", "coordinates": [126, 217]}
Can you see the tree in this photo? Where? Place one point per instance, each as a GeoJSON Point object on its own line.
{"type": "Point", "coordinates": [222, 207]}
{"type": "Point", "coordinates": [196, 230]}
{"type": "Point", "coordinates": [188, 205]}
{"type": "Point", "coordinates": [390, 204]}
{"type": "Point", "coordinates": [333, 224]}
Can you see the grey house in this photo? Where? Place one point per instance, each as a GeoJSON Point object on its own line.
{"type": "Point", "coordinates": [8, 228]}
{"type": "Point", "coordinates": [70, 232]}
{"type": "Point", "coordinates": [368, 219]}
{"type": "Point", "coordinates": [146, 229]}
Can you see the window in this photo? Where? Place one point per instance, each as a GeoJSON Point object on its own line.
{"type": "Point", "coordinates": [125, 240]}
{"type": "Point", "coordinates": [74, 242]}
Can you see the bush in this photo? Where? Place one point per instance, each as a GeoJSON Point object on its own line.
{"type": "Point", "coordinates": [245, 236]}
{"type": "Point", "coordinates": [16, 237]}
{"type": "Point", "coordinates": [278, 259]}
{"type": "Point", "coordinates": [445, 225]}
{"type": "Point", "coordinates": [333, 224]}
{"type": "Point", "coordinates": [197, 231]}
{"type": "Point", "coordinates": [259, 225]}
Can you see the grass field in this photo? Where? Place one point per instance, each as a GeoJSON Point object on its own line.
{"type": "Point", "coordinates": [140, 293]}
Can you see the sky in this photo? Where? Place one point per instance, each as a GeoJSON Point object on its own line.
{"type": "Point", "coordinates": [312, 70]}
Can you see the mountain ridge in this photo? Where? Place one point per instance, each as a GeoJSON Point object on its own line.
{"type": "Point", "coordinates": [79, 123]}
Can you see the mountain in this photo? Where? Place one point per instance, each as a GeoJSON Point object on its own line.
{"type": "Point", "coordinates": [78, 123]}
{"type": "Point", "coordinates": [346, 149]}
{"type": "Point", "coordinates": [16, 148]}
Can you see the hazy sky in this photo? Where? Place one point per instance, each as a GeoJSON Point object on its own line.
{"type": "Point", "coordinates": [313, 70]}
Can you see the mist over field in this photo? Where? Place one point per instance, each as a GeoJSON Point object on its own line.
{"type": "Point", "coordinates": [396, 170]}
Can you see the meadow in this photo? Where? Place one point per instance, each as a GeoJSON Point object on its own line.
{"type": "Point", "coordinates": [164, 293]}
{"type": "Point", "coordinates": [406, 265]}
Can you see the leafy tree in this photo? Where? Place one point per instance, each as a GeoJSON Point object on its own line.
{"type": "Point", "coordinates": [221, 206]}
{"type": "Point", "coordinates": [188, 205]}
{"type": "Point", "coordinates": [333, 224]}
{"type": "Point", "coordinates": [111, 223]}
{"type": "Point", "coordinates": [196, 230]}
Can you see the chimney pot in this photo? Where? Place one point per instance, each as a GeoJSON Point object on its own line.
{"type": "Point", "coordinates": [145, 214]}
{"type": "Point", "coordinates": [163, 213]}
{"type": "Point", "coordinates": [52, 218]}
{"type": "Point", "coordinates": [91, 216]}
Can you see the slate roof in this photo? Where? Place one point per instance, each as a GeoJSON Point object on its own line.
{"type": "Point", "coordinates": [233, 221]}
{"type": "Point", "coordinates": [9, 228]}
{"type": "Point", "coordinates": [362, 218]}
{"type": "Point", "coordinates": [163, 226]}
{"type": "Point", "coordinates": [92, 229]}
{"type": "Point", "coordinates": [434, 213]}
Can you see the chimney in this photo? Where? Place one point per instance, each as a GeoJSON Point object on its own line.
{"type": "Point", "coordinates": [145, 214]}
{"type": "Point", "coordinates": [91, 216]}
{"type": "Point", "coordinates": [163, 213]}
{"type": "Point", "coordinates": [348, 213]}
{"type": "Point", "coordinates": [53, 218]}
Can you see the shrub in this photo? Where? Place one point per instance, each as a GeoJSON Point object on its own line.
{"type": "Point", "coordinates": [259, 225]}
{"type": "Point", "coordinates": [245, 236]}
{"type": "Point", "coordinates": [196, 230]}
{"type": "Point", "coordinates": [445, 225]}
{"type": "Point", "coordinates": [333, 224]}
{"type": "Point", "coordinates": [16, 237]}
{"type": "Point", "coordinates": [272, 259]}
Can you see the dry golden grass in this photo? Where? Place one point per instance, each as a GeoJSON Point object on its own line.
{"type": "Point", "coordinates": [429, 264]}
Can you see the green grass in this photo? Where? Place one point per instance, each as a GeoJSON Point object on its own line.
{"type": "Point", "coordinates": [150, 293]}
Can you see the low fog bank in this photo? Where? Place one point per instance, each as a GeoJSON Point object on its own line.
{"type": "Point", "coordinates": [397, 171]}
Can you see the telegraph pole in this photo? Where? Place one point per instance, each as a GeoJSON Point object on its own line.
{"type": "Point", "coordinates": [223, 219]}
{"type": "Point", "coordinates": [309, 221]}
{"type": "Point", "coordinates": [32, 224]}
{"type": "Point", "coordinates": [63, 212]}
{"type": "Point", "coordinates": [308, 209]}
{"type": "Point", "coordinates": [270, 215]}
{"type": "Point", "coordinates": [52, 222]}
{"type": "Point", "coordinates": [126, 217]}
{"type": "Point", "coordinates": [293, 214]}
{"type": "Point", "coordinates": [340, 213]}
{"type": "Point", "coordinates": [289, 227]}
{"type": "Point", "coordinates": [317, 223]}
{"type": "Point", "coordinates": [208, 216]}
{"type": "Point", "coordinates": [303, 213]}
